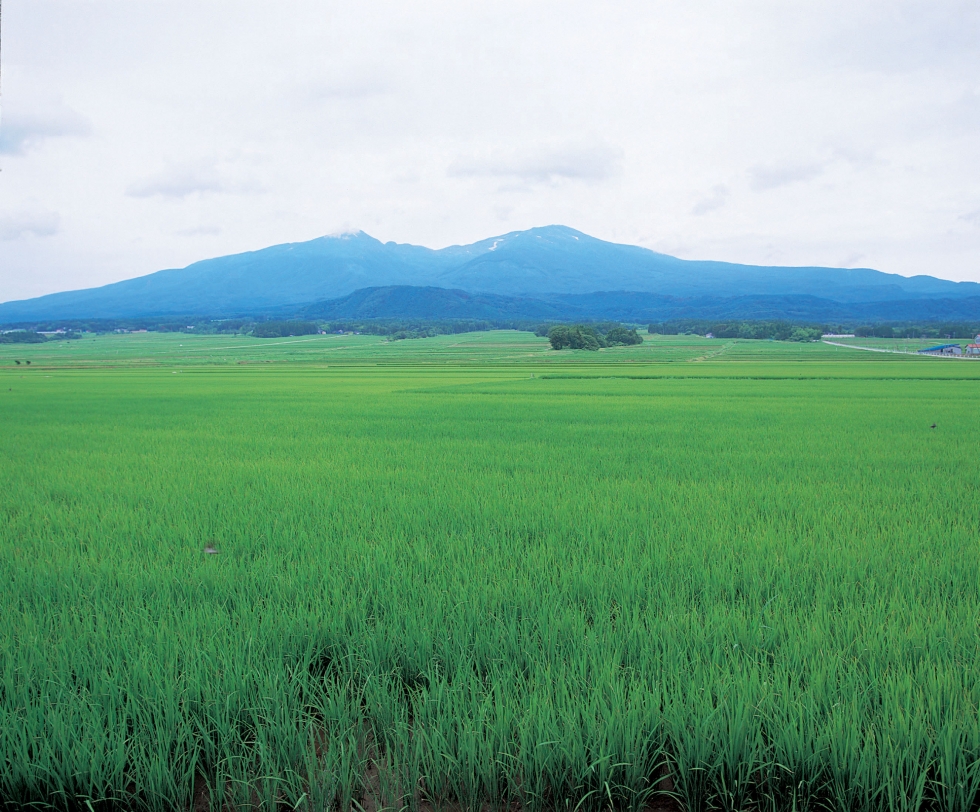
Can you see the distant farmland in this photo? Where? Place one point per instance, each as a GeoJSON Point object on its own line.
{"type": "Point", "coordinates": [470, 572]}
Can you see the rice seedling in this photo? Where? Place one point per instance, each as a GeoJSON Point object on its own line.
{"type": "Point", "coordinates": [722, 584]}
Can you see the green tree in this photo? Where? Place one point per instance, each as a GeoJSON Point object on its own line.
{"type": "Point", "coordinates": [623, 335]}
{"type": "Point", "coordinates": [574, 337]}
{"type": "Point", "coordinates": [805, 334]}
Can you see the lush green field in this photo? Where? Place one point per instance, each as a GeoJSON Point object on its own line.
{"type": "Point", "coordinates": [469, 570]}
{"type": "Point", "coordinates": [503, 346]}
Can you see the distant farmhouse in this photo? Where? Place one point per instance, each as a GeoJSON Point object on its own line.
{"type": "Point", "coordinates": [943, 349]}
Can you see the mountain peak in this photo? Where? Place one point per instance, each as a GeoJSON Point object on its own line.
{"type": "Point", "coordinates": [347, 234]}
{"type": "Point", "coordinates": [542, 261]}
{"type": "Point", "coordinates": [555, 231]}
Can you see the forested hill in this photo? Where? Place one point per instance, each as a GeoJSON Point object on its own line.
{"type": "Point", "coordinates": [540, 263]}
{"type": "Point", "coordinates": [407, 302]}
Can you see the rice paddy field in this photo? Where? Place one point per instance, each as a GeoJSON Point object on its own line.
{"type": "Point", "coordinates": [472, 573]}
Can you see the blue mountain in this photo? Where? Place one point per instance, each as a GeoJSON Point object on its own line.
{"type": "Point", "coordinates": [421, 303]}
{"type": "Point", "coordinates": [540, 263]}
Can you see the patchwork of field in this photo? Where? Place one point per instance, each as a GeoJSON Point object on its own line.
{"type": "Point", "coordinates": [470, 572]}
{"type": "Point", "coordinates": [500, 346]}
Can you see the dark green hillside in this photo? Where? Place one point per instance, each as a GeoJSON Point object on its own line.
{"type": "Point", "coordinates": [406, 301]}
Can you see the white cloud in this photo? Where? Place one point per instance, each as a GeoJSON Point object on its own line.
{"type": "Point", "coordinates": [182, 180]}
{"type": "Point", "coordinates": [717, 199]}
{"type": "Point", "coordinates": [29, 224]}
{"type": "Point", "coordinates": [23, 130]}
{"type": "Point", "coordinates": [899, 36]}
{"type": "Point", "coordinates": [971, 217]}
{"type": "Point", "coordinates": [348, 88]}
{"type": "Point", "coordinates": [198, 231]}
{"type": "Point", "coordinates": [772, 176]}
{"type": "Point", "coordinates": [589, 163]}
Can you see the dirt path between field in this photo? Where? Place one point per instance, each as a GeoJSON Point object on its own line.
{"type": "Point", "coordinates": [713, 353]}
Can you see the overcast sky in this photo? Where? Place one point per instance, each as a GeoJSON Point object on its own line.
{"type": "Point", "coordinates": [137, 136]}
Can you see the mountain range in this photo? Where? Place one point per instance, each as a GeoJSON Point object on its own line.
{"type": "Point", "coordinates": [550, 272]}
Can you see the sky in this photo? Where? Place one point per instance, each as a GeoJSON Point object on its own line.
{"type": "Point", "coordinates": [137, 136]}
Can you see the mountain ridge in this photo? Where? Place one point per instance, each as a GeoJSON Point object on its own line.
{"type": "Point", "coordinates": [539, 263]}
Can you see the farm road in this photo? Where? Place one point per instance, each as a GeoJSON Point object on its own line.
{"type": "Point", "coordinates": [869, 349]}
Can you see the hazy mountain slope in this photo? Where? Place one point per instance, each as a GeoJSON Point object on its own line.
{"type": "Point", "coordinates": [251, 282]}
{"type": "Point", "coordinates": [557, 259]}
{"type": "Point", "coordinates": [405, 302]}
{"type": "Point", "coordinates": [645, 307]}
{"type": "Point", "coordinates": [539, 263]}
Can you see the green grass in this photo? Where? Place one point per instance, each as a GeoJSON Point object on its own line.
{"type": "Point", "coordinates": [462, 572]}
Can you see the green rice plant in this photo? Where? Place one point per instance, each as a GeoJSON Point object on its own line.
{"type": "Point", "coordinates": [745, 582]}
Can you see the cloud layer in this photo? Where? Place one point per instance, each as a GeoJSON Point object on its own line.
{"type": "Point", "coordinates": [33, 224]}
{"type": "Point", "coordinates": [194, 177]}
{"type": "Point", "coordinates": [765, 132]}
{"type": "Point", "coordinates": [773, 176]}
{"type": "Point", "coordinates": [588, 163]}
{"type": "Point", "coordinates": [23, 130]}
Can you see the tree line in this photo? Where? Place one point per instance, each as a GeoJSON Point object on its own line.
{"type": "Point", "coordinates": [779, 330]}
{"type": "Point", "coordinates": [590, 336]}
{"type": "Point", "coordinates": [397, 329]}
{"type": "Point", "coordinates": [33, 337]}
{"type": "Point", "coordinates": [936, 330]}
{"type": "Point", "coordinates": [764, 330]}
